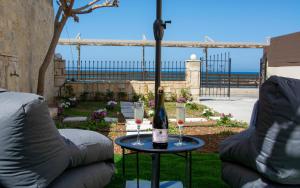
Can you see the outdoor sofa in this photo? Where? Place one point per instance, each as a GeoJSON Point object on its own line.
{"type": "Point", "coordinates": [34, 154]}
{"type": "Point", "coordinates": [267, 154]}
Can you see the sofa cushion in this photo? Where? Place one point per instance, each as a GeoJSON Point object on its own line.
{"type": "Point", "coordinates": [90, 176]}
{"type": "Point", "coordinates": [273, 146]}
{"type": "Point", "coordinates": [32, 152]}
{"type": "Point", "coordinates": [87, 147]}
{"type": "Point", "coordinates": [237, 176]}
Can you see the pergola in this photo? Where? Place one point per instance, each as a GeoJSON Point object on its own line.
{"type": "Point", "coordinates": [151, 43]}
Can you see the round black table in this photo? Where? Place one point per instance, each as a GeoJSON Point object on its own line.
{"type": "Point", "coordinates": [191, 144]}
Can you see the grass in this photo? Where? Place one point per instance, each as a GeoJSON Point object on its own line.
{"type": "Point", "coordinates": [85, 108]}
{"type": "Point", "coordinates": [206, 170]}
{"type": "Point", "coordinates": [190, 113]}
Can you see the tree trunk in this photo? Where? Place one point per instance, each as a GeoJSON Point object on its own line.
{"type": "Point", "coordinates": [49, 55]}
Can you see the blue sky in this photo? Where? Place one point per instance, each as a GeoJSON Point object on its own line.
{"type": "Point", "coordinates": [222, 20]}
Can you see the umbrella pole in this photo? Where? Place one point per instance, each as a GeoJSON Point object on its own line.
{"type": "Point", "coordinates": [158, 35]}
{"type": "Point", "coordinates": [158, 29]}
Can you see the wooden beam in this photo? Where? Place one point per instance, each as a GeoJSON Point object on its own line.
{"type": "Point", "coordinates": [150, 43]}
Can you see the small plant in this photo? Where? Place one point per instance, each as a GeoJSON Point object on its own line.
{"type": "Point", "coordinates": [136, 97]}
{"type": "Point", "coordinates": [226, 120]}
{"type": "Point", "coordinates": [122, 95]}
{"type": "Point", "coordinates": [99, 115]}
{"type": "Point", "coordinates": [151, 104]}
{"type": "Point", "coordinates": [181, 100]}
{"type": "Point", "coordinates": [191, 106]}
{"type": "Point", "coordinates": [186, 93]}
{"type": "Point", "coordinates": [149, 96]}
{"type": "Point", "coordinates": [73, 102]}
{"type": "Point", "coordinates": [109, 95]}
{"type": "Point", "coordinates": [173, 97]}
{"type": "Point", "coordinates": [151, 113]}
{"type": "Point", "coordinates": [226, 133]}
{"type": "Point", "coordinates": [84, 96]}
{"type": "Point", "coordinates": [111, 105]}
{"type": "Point", "coordinates": [207, 113]}
{"type": "Point", "coordinates": [99, 96]}
{"type": "Point", "coordinates": [69, 91]}
{"type": "Point", "coordinates": [64, 105]}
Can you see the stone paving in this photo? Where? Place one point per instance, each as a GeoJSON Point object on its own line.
{"type": "Point", "coordinates": [240, 108]}
{"type": "Point", "coordinates": [74, 119]}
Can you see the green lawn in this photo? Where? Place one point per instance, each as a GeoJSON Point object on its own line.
{"type": "Point", "coordinates": [85, 108]}
{"type": "Point", "coordinates": [206, 169]}
{"type": "Point", "coordinates": [190, 113]}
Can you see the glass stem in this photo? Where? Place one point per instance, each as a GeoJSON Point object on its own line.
{"type": "Point", "coordinates": [180, 134]}
{"type": "Point", "coordinates": [138, 136]}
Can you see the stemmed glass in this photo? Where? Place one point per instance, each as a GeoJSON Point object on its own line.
{"type": "Point", "coordinates": [138, 117]}
{"type": "Point", "coordinates": [180, 120]}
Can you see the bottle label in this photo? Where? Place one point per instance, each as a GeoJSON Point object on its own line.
{"type": "Point", "coordinates": [160, 135]}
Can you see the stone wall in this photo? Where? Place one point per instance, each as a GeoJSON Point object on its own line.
{"type": "Point", "coordinates": [26, 28]}
{"type": "Point", "coordinates": [192, 82]}
{"type": "Point", "coordinates": [129, 87]}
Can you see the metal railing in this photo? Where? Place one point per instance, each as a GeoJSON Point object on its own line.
{"type": "Point", "coordinates": [123, 70]}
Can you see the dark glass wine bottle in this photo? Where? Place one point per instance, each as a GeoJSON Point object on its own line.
{"type": "Point", "coordinates": [160, 123]}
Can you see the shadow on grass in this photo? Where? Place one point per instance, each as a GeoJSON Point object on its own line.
{"type": "Point", "coordinates": [206, 171]}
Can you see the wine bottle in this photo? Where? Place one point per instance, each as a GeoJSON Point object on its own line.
{"type": "Point", "coordinates": [160, 123]}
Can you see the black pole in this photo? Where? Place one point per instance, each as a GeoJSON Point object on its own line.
{"type": "Point", "coordinates": [158, 35]}
{"type": "Point", "coordinates": [158, 27]}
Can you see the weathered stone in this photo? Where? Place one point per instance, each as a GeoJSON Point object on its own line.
{"type": "Point", "coordinates": [59, 81]}
{"type": "Point", "coordinates": [26, 31]}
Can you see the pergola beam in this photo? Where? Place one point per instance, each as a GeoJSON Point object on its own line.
{"type": "Point", "coordinates": [150, 43]}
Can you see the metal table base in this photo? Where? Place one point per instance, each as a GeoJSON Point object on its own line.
{"type": "Point", "coordinates": [155, 178]}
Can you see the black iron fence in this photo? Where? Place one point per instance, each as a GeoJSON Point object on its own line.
{"type": "Point", "coordinates": [123, 70]}
{"type": "Point", "coordinates": [216, 75]}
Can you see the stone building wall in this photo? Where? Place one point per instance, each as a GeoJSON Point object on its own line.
{"type": "Point", "coordinates": [26, 28]}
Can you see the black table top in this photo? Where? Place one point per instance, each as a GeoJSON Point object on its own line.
{"type": "Point", "coordinates": [191, 143]}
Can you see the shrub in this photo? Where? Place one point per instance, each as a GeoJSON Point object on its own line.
{"type": "Point", "coordinates": [192, 106]}
{"type": "Point", "coordinates": [109, 95]}
{"type": "Point", "coordinates": [69, 91]}
{"type": "Point", "coordinates": [98, 116]}
{"type": "Point", "coordinates": [136, 97]}
{"type": "Point", "coordinates": [151, 113]}
{"type": "Point", "coordinates": [207, 113]}
{"type": "Point", "coordinates": [122, 95]}
{"type": "Point", "coordinates": [111, 105]}
{"type": "Point", "coordinates": [99, 96]}
{"type": "Point", "coordinates": [226, 120]}
{"type": "Point", "coordinates": [181, 100]}
{"type": "Point", "coordinates": [186, 93]}
{"type": "Point", "coordinates": [151, 104]}
{"type": "Point", "coordinates": [84, 96]}
{"type": "Point", "coordinates": [149, 96]}
{"type": "Point", "coordinates": [171, 97]}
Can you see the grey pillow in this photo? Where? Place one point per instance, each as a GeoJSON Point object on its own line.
{"type": "Point", "coordinates": [86, 147]}
{"type": "Point", "coordinates": [277, 135]}
{"type": "Point", "coordinates": [272, 146]}
{"type": "Point", "coordinates": [32, 152]}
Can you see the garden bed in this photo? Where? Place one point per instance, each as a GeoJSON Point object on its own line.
{"type": "Point", "coordinates": [211, 131]}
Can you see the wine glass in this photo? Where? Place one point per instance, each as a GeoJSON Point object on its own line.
{"type": "Point", "coordinates": [138, 118]}
{"type": "Point", "coordinates": [180, 120]}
